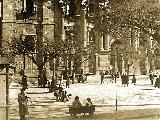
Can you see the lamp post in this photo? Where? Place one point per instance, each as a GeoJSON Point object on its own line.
{"type": "Point", "coordinates": [24, 59]}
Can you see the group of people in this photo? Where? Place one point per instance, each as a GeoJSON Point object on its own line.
{"type": "Point", "coordinates": [157, 82]}
{"type": "Point", "coordinates": [113, 76]}
{"type": "Point", "coordinates": [61, 94]}
{"type": "Point", "coordinates": [76, 103]}
{"type": "Point", "coordinates": [124, 78]}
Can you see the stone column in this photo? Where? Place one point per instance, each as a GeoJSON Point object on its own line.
{"type": "Point", "coordinates": [63, 30]}
{"type": "Point", "coordinates": [88, 36]}
{"type": "Point", "coordinates": [85, 30]}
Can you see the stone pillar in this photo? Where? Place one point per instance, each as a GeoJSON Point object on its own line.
{"type": "Point", "coordinates": [63, 30]}
{"type": "Point", "coordinates": [88, 36]}
{"type": "Point", "coordinates": [85, 30]}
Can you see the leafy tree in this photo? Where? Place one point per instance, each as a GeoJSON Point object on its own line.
{"type": "Point", "coordinates": [49, 50]}
{"type": "Point", "coordinates": [80, 53]}
{"type": "Point", "coordinates": [123, 19]}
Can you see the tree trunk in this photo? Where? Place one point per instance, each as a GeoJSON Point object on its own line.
{"type": "Point", "coordinates": [142, 66]}
{"type": "Point", "coordinates": [119, 63]}
{"type": "Point", "coordinates": [39, 33]}
{"type": "Point", "coordinates": [40, 77]}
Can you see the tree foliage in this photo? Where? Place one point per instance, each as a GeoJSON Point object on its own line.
{"type": "Point", "coordinates": [143, 15]}
{"type": "Point", "coordinates": [49, 49]}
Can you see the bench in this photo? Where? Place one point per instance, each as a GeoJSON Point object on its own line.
{"type": "Point", "coordinates": [83, 109]}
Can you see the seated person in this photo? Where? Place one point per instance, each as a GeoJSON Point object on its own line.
{"type": "Point", "coordinates": [76, 103]}
{"type": "Point", "coordinates": [89, 103]}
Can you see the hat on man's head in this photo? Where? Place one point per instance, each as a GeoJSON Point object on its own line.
{"type": "Point", "coordinates": [76, 98]}
{"type": "Point", "coordinates": [89, 99]}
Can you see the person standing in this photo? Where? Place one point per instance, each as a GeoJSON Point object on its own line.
{"type": "Point", "coordinates": [134, 79]}
{"type": "Point", "coordinates": [157, 83]}
{"type": "Point", "coordinates": [56, 94]}
{"type": "Point", "coordinates": [23, 79]}
{"type": "Point", "coordinates": [115, 77]}
{"type": "Point", "coordinates": [23, 108]}
{"type": "Point", "coordinates": [102, 77]}
{"type": "Point", "coordinates": [67, 82]}
{"type": "Point", "coordinates": [151, 76]}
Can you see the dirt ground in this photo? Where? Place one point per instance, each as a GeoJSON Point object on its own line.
{"type": "Point", "coordinates": [141, 114]}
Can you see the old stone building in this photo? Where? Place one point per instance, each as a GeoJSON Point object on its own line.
{"type": "Point", "coordinates": [19, 19]}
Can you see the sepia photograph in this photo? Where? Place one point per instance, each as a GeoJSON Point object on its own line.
{"type": "Point", "coordinates": [79, 59]}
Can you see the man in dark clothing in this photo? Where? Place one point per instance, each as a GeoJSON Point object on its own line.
{"type": "Point", "coordinates": [157, 83]}
{"type": "Point", "coordinates": [134, 79]}
{"type": "Point", "coordinates": [23, 79]}
{"type": "Point", "coordinates": [125, 79]}
{"type": "Point", "coordinates": [102, 77]}
{"type": "Point", "coordinates": [115, 77]}
{"type": "Point", "coordinates": [151, 76]}
{"type": "Point", "coordinates": [67, 83]}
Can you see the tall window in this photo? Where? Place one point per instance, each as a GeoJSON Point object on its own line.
{"type": "Point", "coordinates": [0, 9]}
{"type": "Point", "coordinates": [28, 10]}
{"type": "Point", "coordinates": [104, 42]}
{"type": "Point", "coordinates": [28, 6]}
